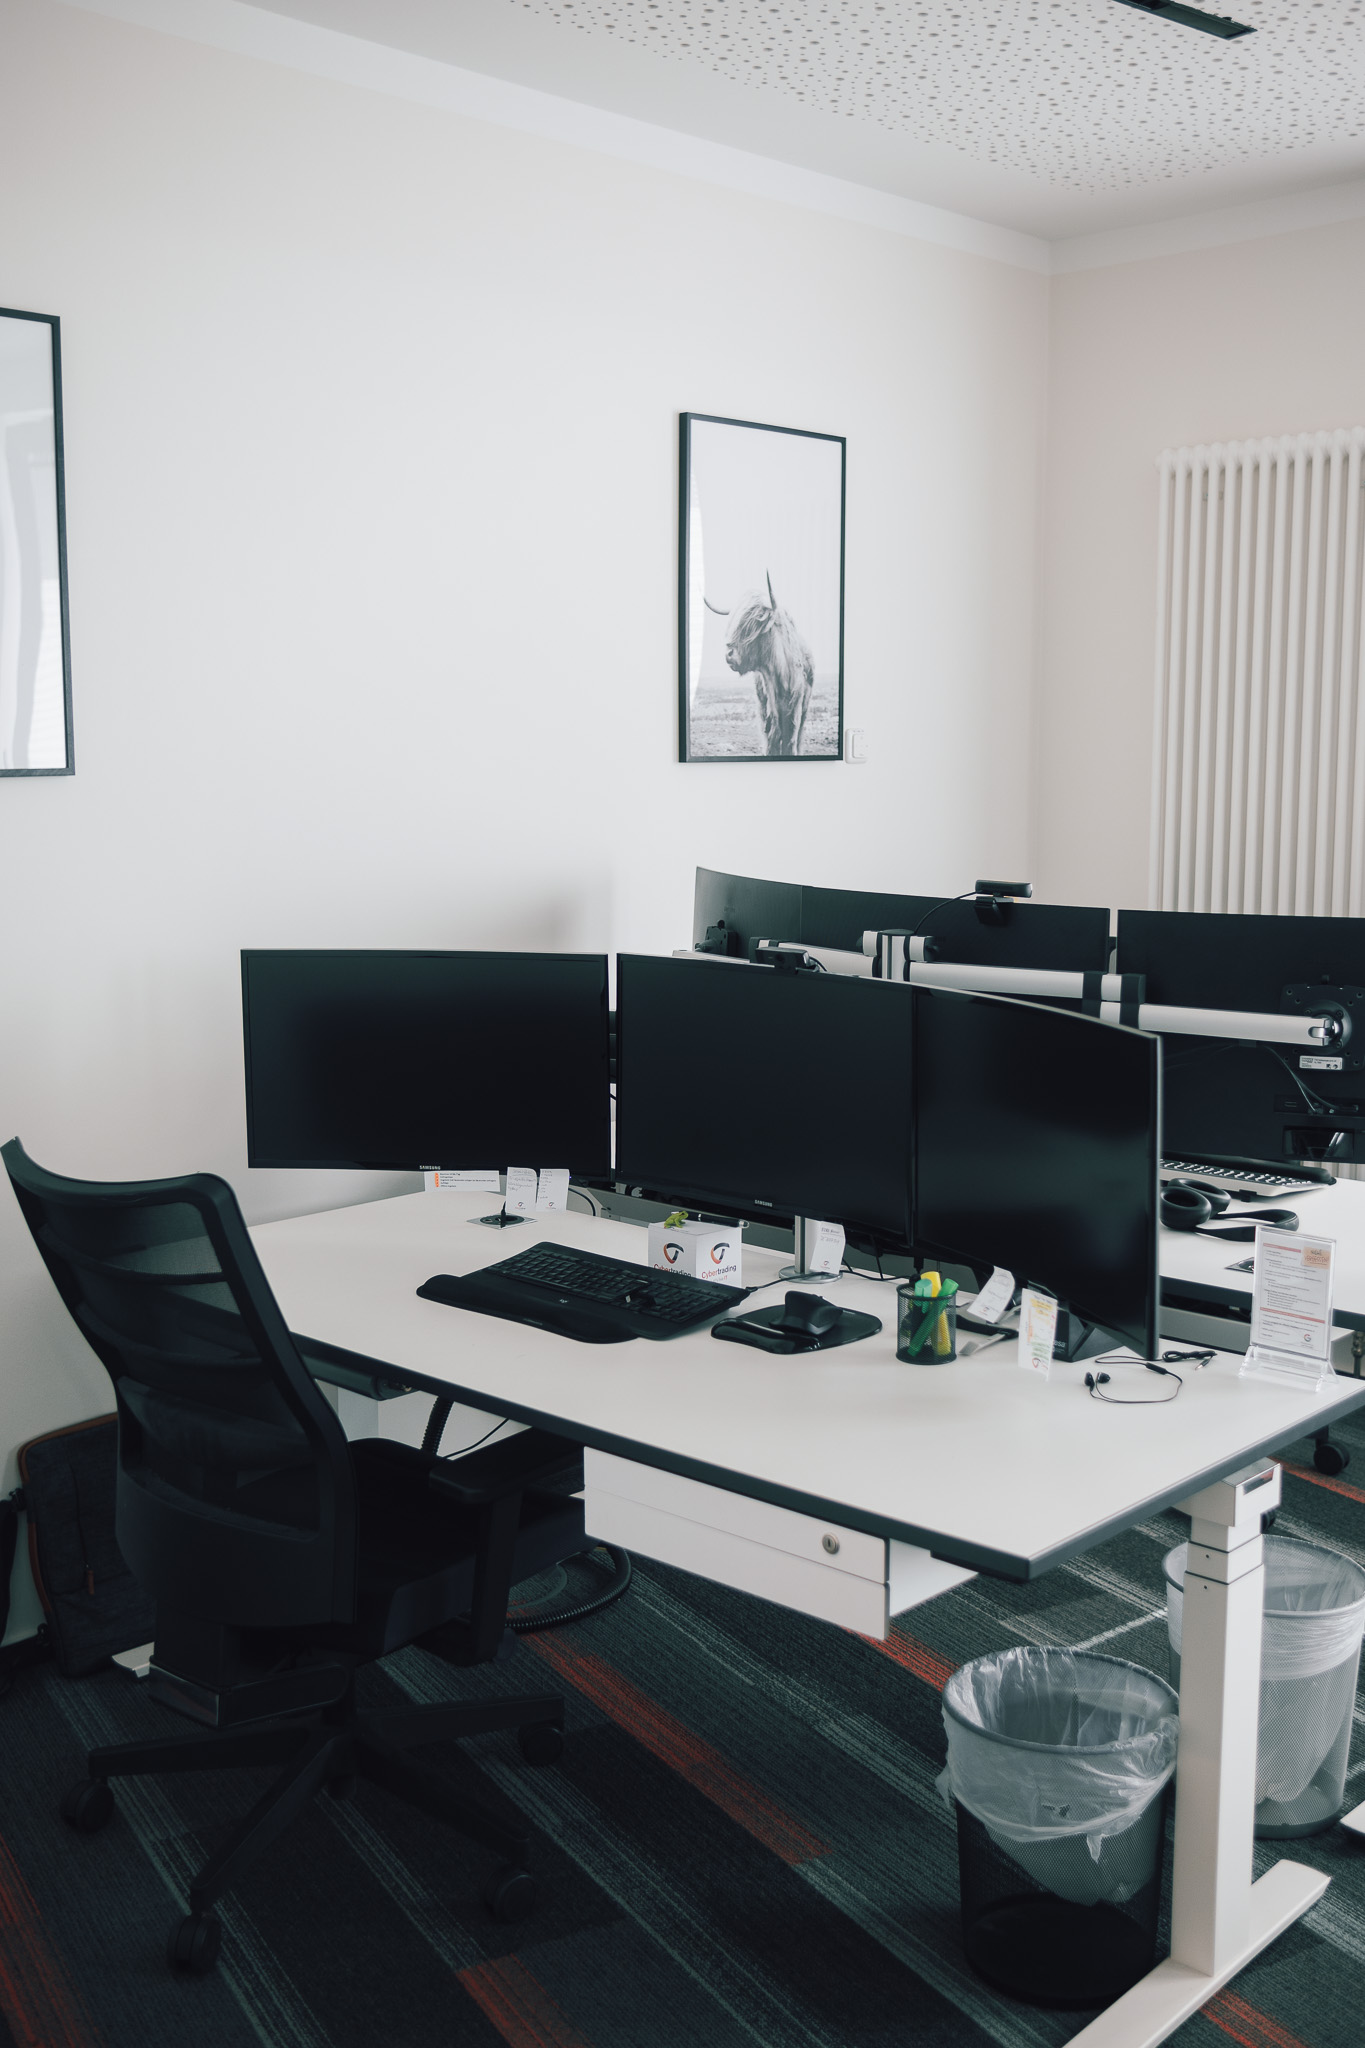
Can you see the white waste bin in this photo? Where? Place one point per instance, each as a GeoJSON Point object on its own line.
{"type": "Point", "coordinates": [1057, 1764]}
{"type": "Point", "coordinates": [1310, 1651]}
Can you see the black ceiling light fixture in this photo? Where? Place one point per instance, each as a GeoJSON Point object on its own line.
{"type": "Point", "coordinates": [1191, 17]}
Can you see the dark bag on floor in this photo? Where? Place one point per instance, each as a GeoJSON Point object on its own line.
{"type": "Point", "coordinates": [93, 1604]}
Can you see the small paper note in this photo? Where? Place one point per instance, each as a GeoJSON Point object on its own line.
{"type": "Point", "coordinates": [522, 1183]}
{"type": "Point", "coordinates": [824, 1247]}
{"type": "Point", "coordinates": [553, 1192]}
{"type": "Point", "coordinates": [463, 1180]}
{"type": "Point", "coordinates": [994, 1298]}
{"type": "Point", "coordinates": [1037, 1331]}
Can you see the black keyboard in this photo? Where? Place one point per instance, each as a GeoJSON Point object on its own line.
{"type": "Point", "coordinates": [583, 1295]}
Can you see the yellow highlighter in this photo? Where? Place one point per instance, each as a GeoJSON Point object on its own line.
{"type": "Point", "coordinates": [943, 1343]}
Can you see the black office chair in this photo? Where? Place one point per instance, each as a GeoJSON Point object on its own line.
{"type": "Point", "coordinates": [280, 1556]}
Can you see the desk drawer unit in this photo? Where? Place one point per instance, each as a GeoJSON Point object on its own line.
{"type": "Point", "coordinates": [818, 1567]}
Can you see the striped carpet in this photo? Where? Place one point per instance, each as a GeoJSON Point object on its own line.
{"type": "Point", "coordinates": [742, 1847]}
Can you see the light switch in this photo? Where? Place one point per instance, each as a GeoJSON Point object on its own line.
{"type": "Point", "coordinates": [855, 743]}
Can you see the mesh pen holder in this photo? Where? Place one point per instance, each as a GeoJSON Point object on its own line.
{"type": "Point", "coordinates": [926, 1328]}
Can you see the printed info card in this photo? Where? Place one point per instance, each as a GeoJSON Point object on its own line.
{"type": "Point", "coordinates": [1291, 1308]}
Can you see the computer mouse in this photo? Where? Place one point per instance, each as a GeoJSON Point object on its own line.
{"type": "Point", "coordinates": [809, 1315]}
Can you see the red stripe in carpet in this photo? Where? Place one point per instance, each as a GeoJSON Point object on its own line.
{"type": "Point", "coordinates": [40, 2005]}
{"type": "Point", "coordinates": [1246, 2026]}
{"type": "Point", "coordinates": [656, 1730]}
{"type": "Point", "coordinates": [1320, 1479]}
{"type": "Point", "coordinates": [521, 2009]}
{"type": "Point", "coordinates": [915, 1656]}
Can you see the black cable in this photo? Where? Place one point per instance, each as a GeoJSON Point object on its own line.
{"type": "Point", "coordinates": [1316, 1104]}
{"type": "Point", "coordinates": [555, 1617]}
{"type": "Point", "coordinates": [942, 904]}
{"type": "Point", "coordinates": [1095, 1380]}
{"type": "Point", "coordinates": [591, 1200]}
{"type": "Point", "coordinates": [861, 1272]}
{"type": "Point", "coordinates": [1122, 1357]}
{"type": "Point", "coordinates": [466, 1448]}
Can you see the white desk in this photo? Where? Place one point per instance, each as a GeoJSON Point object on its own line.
{"type": "Point", "coordinates": [1198, 1266]}
{"type": "Point", "coordinates": [981, 1464]}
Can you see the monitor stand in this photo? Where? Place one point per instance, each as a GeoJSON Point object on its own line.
{"type": "Point", "coordinates": [1077, 1339]}
{"type": "Point", "coordinates": [502, 1221]}
{"type": "Point", "coordinates": [803, 1232]}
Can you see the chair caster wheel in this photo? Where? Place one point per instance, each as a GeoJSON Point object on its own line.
{"type": "Point", "coordinates": [194, 1944]}
{"type": "Point", "coordinates": [1331, 1458]}
{"type": "Point", "coordinates": [87, 1806]}
{"type": "Point", "coordinates": [510, 1893]}
{"type": "Point", "coordinates": [342, 1786]}
{"type": "Point", "coordinates": [541, 1742]}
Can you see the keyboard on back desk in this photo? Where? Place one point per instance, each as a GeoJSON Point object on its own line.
{"type": "Point", "coordinates": [584, 1295]}
{"type": "Point", "coordinates": [1261, 1181]}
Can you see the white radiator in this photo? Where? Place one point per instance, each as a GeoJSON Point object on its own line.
{"type": "Point", "coordinates": [1258, 784]}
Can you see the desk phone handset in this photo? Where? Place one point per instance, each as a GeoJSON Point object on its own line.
{"type": "Point", "coordinates": [803, 1322]}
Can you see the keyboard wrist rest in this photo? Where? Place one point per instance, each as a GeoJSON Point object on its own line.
{"type": "Point", "coordinates": [582, 1324]}
{"type": "Point", "coordinates": [747, 1333]}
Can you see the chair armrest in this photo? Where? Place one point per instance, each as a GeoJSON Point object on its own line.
{"type": "Point", "coordinates": [531, 1458]}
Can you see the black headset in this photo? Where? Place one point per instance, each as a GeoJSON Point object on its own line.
{"type": "Point", "coordinates": [1187, 1205]}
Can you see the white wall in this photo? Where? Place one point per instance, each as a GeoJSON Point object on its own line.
{"type": "Point", "coordinates": [371, 427]}
{"type": "Point", "coordinates": [1218, 344]}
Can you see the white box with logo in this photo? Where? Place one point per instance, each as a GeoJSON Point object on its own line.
{"type": "Point", "coordinates": [704, 1251]}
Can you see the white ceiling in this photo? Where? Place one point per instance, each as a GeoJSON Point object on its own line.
{"type": "Point", "coordinates": [1055, 117]}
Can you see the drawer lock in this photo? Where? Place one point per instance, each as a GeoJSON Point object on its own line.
{"type": "Point", "coordinates": [831, 1544]}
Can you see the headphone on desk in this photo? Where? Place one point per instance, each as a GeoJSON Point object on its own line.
{"type": "Point", "coordinates": [1187, 1206]}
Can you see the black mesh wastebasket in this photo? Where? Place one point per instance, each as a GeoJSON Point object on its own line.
{"type": "Point", "coordinates": [1058, 1764]}
{"type": "Point", "coordinates": [1310, 1653]}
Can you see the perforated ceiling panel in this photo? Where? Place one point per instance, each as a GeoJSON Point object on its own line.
{"type": "Point", "coordinates": [1084, 93]}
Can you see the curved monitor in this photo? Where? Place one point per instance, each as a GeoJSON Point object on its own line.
{"type": "Point", "coordinates": [1073, 937]}
{"type": "Point", "coordinates": [1036, 1149]}
{"type": "Point", "coordinates": [1264, 1102]}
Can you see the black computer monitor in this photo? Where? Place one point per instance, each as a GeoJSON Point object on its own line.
{"type": "Point", "coordinates": [1255, 1101]}
{"type": "Point", "coordinates": [1036, 1149]}
{"type": "Point", "coordinates": [765, 1094]}
{"type": "Point", "coordinates": [397, 1059]}
{"type": "Point", "coordinates": [743, 908]}
{"type": "Point", "coordinates": [1072, 937]}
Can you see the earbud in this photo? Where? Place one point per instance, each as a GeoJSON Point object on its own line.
{"type": "Point", "coordinates": [1095, 1380]}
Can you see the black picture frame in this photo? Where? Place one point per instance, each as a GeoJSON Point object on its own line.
{"type": "Point", "coordinates": [32, 439]}
{"type": "Point", "coordinates": [790, 505]}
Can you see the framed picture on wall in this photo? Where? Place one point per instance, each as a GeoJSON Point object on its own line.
{"type": "Point", "coordinates": [760, 592]}
{"type": "Point", "coordinates": [35, 640]}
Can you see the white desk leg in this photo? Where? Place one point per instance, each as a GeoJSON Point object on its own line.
{"type": "Point", "coordinates": [1219, 1918]}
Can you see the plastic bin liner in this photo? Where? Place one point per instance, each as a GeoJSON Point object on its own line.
{"type": "Point", "coordinates": [1056, 1753]}
{"type": "Point", "coordinates": [1310, 1640]}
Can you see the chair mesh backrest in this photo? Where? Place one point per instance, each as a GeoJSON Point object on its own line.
{"type": "Point", "coordinates": [234, 1475]}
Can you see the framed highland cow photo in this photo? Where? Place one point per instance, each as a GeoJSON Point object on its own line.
{"type": "Point", "coordinates": [760, 592]}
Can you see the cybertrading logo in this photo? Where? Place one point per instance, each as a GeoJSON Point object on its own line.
{"type": "Point", "coordinates": [718, 1252]}
{"type": "Point", "coordinates": [673, 1252]}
